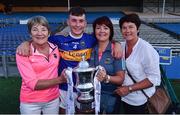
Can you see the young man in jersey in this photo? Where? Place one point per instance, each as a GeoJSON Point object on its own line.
{"type": "Point", "coordinates": [72, 46]}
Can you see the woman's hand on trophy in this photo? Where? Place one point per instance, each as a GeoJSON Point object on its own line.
{"type": "Point", "coordinates": [101, 75]}
{"type": "Point", "coordinates": [63, 77]}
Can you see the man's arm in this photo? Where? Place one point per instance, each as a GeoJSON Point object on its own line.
{"type": "Point", "coordinates": [117, 50]}
{"type": "Point", "coordinates": [24, 48]}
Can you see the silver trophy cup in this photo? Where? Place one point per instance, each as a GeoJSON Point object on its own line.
{"type": "Point", "coordinates": [84, 85]}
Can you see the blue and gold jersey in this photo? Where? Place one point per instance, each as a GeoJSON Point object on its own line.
{"type": "Point", "coordinates": [71, 51]}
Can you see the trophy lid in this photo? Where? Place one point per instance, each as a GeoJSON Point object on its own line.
{"type": "Point", "coordinates": [83, 66]}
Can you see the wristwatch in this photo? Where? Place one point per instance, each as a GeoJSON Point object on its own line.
{"type": "Point", "coordinates": [107, 79]}
{"type": "Point", "coordinates": [130, 89]}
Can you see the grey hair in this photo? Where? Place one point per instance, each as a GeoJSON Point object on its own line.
{"type": "Point", "coordinates": [37, 20]}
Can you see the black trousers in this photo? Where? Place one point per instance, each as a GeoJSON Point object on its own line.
{"type": "Point", "coordinates": [129, 109]}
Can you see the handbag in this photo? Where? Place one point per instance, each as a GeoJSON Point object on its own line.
{"type": "Point", "coordinates": [157, 103]}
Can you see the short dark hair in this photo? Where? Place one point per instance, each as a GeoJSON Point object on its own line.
{"type": "Point", "coordinates": [76, 11]}
{"type": "Point", "coordinates": [106, 21]}
{"type": "Point", "coordinates": [134, 18]}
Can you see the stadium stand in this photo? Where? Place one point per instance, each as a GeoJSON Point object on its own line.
{"type": "Point", "coordinates": [173, 28]}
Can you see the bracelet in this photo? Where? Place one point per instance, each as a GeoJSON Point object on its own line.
{"type": "Point", "coordinates": [107, 79]}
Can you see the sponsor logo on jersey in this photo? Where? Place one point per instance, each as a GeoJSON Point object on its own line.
{"type": "Point", "coordinates": [75, 55]}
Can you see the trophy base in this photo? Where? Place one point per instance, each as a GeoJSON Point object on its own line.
{"type": "Point", "coordinates": [85, 107]}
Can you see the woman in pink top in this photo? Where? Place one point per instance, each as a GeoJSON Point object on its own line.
{"type": "Point", "coordinates": [39, 72]}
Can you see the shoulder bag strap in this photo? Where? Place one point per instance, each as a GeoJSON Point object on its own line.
{"type": "Point", "coordinates": [133, 78]}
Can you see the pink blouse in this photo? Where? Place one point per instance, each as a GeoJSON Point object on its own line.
{"type": "Point", "coordinates": [36, 67]}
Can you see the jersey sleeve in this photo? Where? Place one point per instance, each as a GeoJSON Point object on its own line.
{"type": "Point", "coordinates": [93, 40]}
{"type": "Point", "coordinates": [53, 39]}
